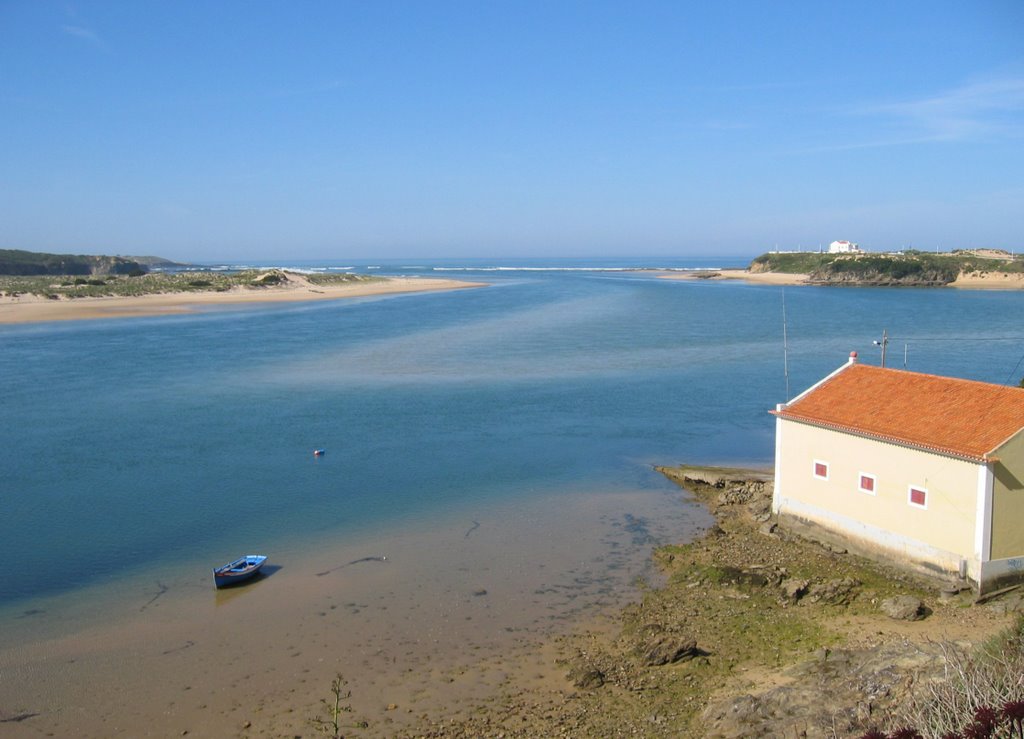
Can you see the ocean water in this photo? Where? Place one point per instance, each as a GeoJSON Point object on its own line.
{"type": "Point", "coordinates": [153, 443]}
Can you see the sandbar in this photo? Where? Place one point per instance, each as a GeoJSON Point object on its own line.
{"type": "Point", "coordinates": [767, 278]}
{"type": "Point", "coordinates": [33, 308]}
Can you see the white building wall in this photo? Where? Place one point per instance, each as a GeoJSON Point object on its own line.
{"type": "Point", "coordinates": [939, 534]}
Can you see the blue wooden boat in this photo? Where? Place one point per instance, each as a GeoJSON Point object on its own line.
{"type": "Point", "coordinates": [238, 571]}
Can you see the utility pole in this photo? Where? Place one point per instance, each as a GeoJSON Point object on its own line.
{"type": "Point", "coordinates": [882, 343]}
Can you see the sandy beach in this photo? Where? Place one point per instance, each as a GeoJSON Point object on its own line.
{"type": "Point", "coordinates": [990, 281]}
{"type": "Point", "coordinates": [33, 308]}
{"type": "Point", "coordinates": [766, 278]}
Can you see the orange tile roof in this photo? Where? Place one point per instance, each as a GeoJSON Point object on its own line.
{"type": "Point", "coordinates": [962, 418]}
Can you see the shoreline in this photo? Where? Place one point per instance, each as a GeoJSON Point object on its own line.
{"type": "Point", "coordinates": [475, 652]}
{"type": "Point", "coordinates": [764, 278]}
{"type": "Point", "coordinates": [459, 608]}
{"type": "Point", "coordinates": [36, 309]}
{"type": "Point", "coordinates": [755, 632]}
{"type": "Point", "coordinates": [974, 281]}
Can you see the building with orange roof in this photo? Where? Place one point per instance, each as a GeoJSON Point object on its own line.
{"type": "Point", "coordinates": [923, 470]}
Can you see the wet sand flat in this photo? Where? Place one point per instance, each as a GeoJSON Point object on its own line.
{"type": "Point", "coordinates": [423, 620]}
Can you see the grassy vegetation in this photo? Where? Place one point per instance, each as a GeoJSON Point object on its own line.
{"type": "Point", "coordinates": [69, 286]}
{"type": "Point", "coordinates": [801, 263]}
{"type": "Point", "coordinates": [910, 266]}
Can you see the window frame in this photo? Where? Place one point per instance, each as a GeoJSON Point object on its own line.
{"type": "Point", "coordinates": [874, 483]}
{"type": "Point", "coordinates": [814, 470]}
{"type": "Point", "coordinates": [910, 497]}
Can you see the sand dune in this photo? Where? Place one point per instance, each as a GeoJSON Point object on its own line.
{"type": "Point", "coordinates": [33, 308]}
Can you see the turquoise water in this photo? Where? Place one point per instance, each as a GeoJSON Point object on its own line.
{"type": "Point", "coordinates": [130, 443]}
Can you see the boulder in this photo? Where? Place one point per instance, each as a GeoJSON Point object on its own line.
{"type": "Point", "coordinates": [904, 608]}
{"type": "Point", "coordinates": [794, 589]}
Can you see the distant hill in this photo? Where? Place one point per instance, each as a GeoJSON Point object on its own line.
{"type": "Point", "coordinates": [910, 268]}
{"type": "Point", "coordinates": [156, 262]}
{"type": "Point", "coordinates": [18, 262]}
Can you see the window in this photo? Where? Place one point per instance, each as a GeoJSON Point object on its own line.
{"type": "Point", "coordinates": [918, 497]}
{"type": "Point", "coordinates": [821, 470]}
{"type": "Point", "coordinates": [867, 483]}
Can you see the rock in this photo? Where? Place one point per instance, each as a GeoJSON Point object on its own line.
{"type": "Point", "coordinates": [586, 678]}
{"type": "Point", "coordinates": [769, 528]}
{"type": "Point", "coordinates": [903, 608]}
{"type": "Point", "coordinates": [761, 508]}
{"type": "Point", "coordinates": [1008, 604]}
{"type": "Point", "coordinates": [949, 593]}
{"type": "Point", "coordinates": [836, 693]}
{"type": "Point", "coordinates": [666, 649]}
{"type": "Point", "coordinates": [480, 591]}
{"type": "Point", "coordinates": [794, 589]}
{"type": "Point", "coordinates": [744, 578]}
{"type": "Point", "coordinates": [834, 592]}
{"type": "Point", "coordinates": [735, 495]}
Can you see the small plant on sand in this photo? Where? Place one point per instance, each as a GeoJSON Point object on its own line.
{"type": "Point", "coordinates": [336, 708]}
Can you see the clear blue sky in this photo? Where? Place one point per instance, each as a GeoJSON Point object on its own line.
{"type": "Point", "coordinates": [228, 130]}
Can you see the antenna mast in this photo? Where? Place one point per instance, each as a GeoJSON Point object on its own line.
{"type": "Point", "coordinates": [785, 345]}
{"type": "Point", "coordinates": [883, 343]}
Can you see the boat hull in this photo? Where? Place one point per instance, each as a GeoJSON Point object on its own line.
{"type": "Point", "coordinates": [240, 571]}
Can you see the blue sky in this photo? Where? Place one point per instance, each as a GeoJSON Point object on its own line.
{"type": "Point", "coordinates": [212, 131]}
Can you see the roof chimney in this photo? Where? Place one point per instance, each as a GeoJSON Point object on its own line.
{"type": "Point", "coordinates": [853, 357]}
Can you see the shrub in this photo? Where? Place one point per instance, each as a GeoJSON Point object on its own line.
{"type": "Point", "coordinates": [961, 705]}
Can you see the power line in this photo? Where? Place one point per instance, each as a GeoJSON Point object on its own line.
{"type": "Point", "coordinates": [959, 338]}
{"type": "Point", "coordinates": [1013, 372]}
{"type": "Point", "coordinates": [907, 341]}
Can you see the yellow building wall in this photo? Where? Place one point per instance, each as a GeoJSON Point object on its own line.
{"type": "Point", "coordinates": [1008, 500]}
{"type": "Point", "coordinates": [948, 522]}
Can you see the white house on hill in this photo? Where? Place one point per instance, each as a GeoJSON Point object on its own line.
{"type": "Point", "coordinates": [843, 247]}
{"type": "Point", "coordinates": [923, 470]}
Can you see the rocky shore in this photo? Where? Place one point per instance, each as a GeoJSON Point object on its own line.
{"type": "Point", "coordinates": [755, 632]}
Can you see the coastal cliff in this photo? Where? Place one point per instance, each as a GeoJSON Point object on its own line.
{"type": "Point", "coordinates": [18, 262]}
